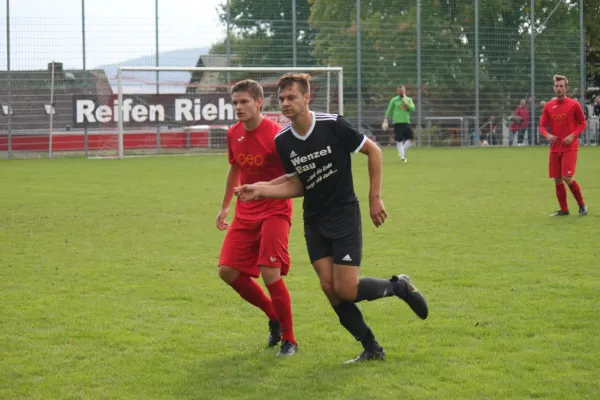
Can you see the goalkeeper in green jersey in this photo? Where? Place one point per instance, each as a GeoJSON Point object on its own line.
{"type": "Point", "coordinates": [399, 109]}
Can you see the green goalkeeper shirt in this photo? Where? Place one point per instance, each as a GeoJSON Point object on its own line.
{"type": "Point", "coordinates": [399, 111]}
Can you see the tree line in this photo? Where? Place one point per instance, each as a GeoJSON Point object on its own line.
{"type": "Point", "coordinates": [326, 34]}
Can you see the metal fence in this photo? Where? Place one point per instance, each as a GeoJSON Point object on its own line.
{"type": "Point", "coordinates": [467, 64]}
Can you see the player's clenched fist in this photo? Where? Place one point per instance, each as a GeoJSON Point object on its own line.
{"type": "Point", "coordinates": [247, 192]}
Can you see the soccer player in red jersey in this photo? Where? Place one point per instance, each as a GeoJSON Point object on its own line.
{"type": "Point", "coordinates": [256, 242]}
{"type": "Point", "coordinates": [564, 116]}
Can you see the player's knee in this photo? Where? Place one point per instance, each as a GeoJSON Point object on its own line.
{"type": "Point", "coordinates": [270, 274]}
{"type": "Point", "coordinates": [228, 274]}
{"type": "Point", "coordinates": [328, 288]}
{"type": "Point", "coordinates": [346, 292]}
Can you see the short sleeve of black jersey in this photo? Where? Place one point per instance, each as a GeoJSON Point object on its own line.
{"type": "Point", "coordinates": [350, 138]}
{"type": "Point", "coordinates": [284, 156]}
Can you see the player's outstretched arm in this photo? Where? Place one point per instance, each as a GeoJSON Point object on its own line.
{"type": "Point", "coordinates": [232, 181]}
{"type": "Point", "coordinates": [277, 181]}
{"type": "Point", "coordinates": [375, 162]}
{"type": "Point", "coordinates": [291, 188]}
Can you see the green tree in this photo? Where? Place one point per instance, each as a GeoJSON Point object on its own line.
{"type": "Point", "coordinates": [264, 32]}
{"type": "Point", "coordinates": [388, 48]}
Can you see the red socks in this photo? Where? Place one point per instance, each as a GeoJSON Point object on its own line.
{"type": "Point", "coordinates": [561, 195]}
{"type": "Point", "coordinates": [277, 308]}
{"type": "Point", "coordinates": [251, 291]}
{"type": "Point", "coordinates": [281, 301]}
{"type": "Point", "coordinates": [576, 190]}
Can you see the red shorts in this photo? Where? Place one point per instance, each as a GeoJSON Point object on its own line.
{"type": "Point", "coordinates": [249, 244]}
{"type": "Point", "coordinates": [562, 164]}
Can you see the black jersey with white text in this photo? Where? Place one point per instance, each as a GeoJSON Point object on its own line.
{"type": "Point", "coordinates": [322, 161]}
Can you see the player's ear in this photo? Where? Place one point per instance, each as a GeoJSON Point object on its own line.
{"type": "Point", "coordinates": [260, 103]}
{"type": "Point", "coordinates": [307, 97]}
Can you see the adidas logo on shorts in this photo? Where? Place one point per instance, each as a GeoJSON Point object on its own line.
{"type": "Point", "coordinates": [347, 258]}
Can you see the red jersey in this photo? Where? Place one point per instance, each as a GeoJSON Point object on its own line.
{"type": "Point", "coordinates": [563, 117]}
{"type": "Point", "coordinates": [255, 155]}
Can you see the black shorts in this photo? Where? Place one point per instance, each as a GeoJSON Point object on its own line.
{"type": "Point", "coordinates": [337, 233]}
{"type": "Point", "coordinates": [403, 132]}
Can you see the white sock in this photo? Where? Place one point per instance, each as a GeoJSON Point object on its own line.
{"type": "Point", "coordinates": [400, 147]}
{"type": "Point", "coordinates": [407, 145]}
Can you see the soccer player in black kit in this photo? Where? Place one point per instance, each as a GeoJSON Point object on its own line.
{"type": "Point", "coordinates": [316, 149]}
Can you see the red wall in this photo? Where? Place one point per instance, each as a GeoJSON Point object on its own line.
{"type": "Point", "coordinates": [103, 141]}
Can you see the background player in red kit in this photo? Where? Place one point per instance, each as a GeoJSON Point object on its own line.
{"type": "Point", "coordinates": [257, 240]}
{"type": "Point", "coordinates": [565, 118]}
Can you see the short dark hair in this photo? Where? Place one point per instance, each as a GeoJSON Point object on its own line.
{"type": "Point", "coordinates": [287, 80]}
{"type": "Point", "coordinates": [557, 78]}
{"type": "Point", "coordinates": [250, 86]}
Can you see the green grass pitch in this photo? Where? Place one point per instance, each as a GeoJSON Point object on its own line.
{"type": "Point", "coordinates": [109, 288]}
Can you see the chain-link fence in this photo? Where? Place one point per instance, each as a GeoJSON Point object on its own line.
{"type": "Point", "coordinates": [467, 64]}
